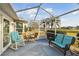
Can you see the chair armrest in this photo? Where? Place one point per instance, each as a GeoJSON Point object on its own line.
{"type": "Point", "coordinates": [73, 40]}
{"type": "Point", "coordinates": [67, 46]}
{"type": "Point", "coordinates": [51, 38]}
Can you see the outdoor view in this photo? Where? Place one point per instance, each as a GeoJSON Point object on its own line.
{"type": "Point", "coordinates": [39, 29]}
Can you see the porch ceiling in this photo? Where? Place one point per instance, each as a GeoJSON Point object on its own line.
{"type": "Point", "coordinates": [6, 8]}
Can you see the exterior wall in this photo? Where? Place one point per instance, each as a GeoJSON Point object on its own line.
{"type": "Point", "coordinates": [0, 33]}
{"type": "Point", "coordinates": [4, 16]}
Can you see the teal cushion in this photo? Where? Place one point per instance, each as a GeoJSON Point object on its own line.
{"type": "Point", "coordinates": [67, 40]}
{"type": "Point", "coordinates": [15, 37]}
{"type": "Point", "coordinates": [59, 38]}
{"type": "Point", "coordinates": [59, 44]}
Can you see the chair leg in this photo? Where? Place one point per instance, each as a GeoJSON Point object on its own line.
{"type": "Point", "coordinates": [16, 46]}
{"type": "Point", "coordinates": [23, 43]}
{"type": "Point", "coordinates": [64, 52]}
{"type": "Point", "coordinates": [49, 43]}
{"type": "Point", "coordinates": [71, 52]}
{"type": "Point", "coordinates": [11, 46]}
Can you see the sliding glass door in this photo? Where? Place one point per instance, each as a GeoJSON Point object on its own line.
{"type": "Point", "coordinates": [6, 39]}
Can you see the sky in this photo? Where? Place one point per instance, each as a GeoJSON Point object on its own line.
{"type": "Point", "coordinates": [55, 9]}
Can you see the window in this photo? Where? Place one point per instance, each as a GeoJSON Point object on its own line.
{"type": "Point", "coordinates": [19, 27]}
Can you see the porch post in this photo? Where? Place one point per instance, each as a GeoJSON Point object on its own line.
{"type": "Point", "coordinates": [55, 26]}
{"type": "Point", "coordinates": [45, 26]}
{"type": "Point", "coordinates": [39, 30]}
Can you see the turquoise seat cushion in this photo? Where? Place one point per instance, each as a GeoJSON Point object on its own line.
{"type": "Point", "coordinates": [17, 34]}
{"type": "Point", "coordinates": [15, 37]}
{"type": "Point", "coordinates": [59, 44]}
{"type": "Point", "coordinates": [67, 40]}
{"type": "Point", "coordinates": [59, 38]}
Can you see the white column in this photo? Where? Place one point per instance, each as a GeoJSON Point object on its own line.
{"type": "Point", "coordinates": [39, 30]}
{"type": "Point", "coordinates": [45, 26]}
{"type": "Point", "coordinates": [55, 26]}
{"type": "Point", "coordinates": [23, 27]}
